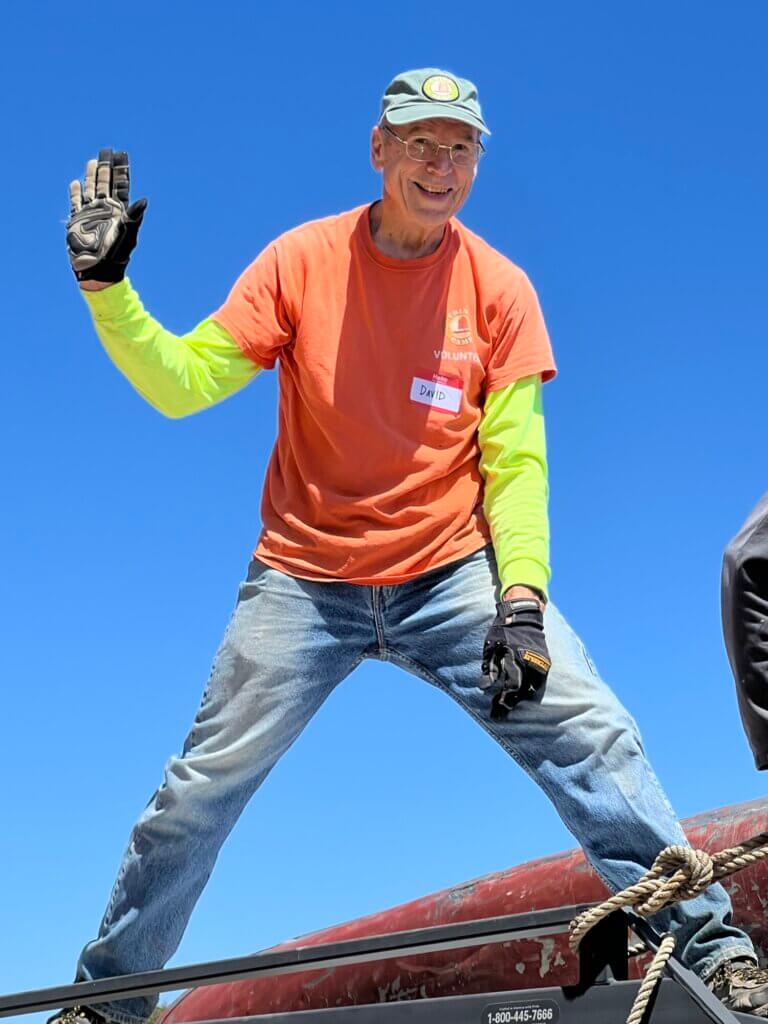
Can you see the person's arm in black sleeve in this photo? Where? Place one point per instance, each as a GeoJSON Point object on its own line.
{"type": "Point", "coordinates": [744, 598]}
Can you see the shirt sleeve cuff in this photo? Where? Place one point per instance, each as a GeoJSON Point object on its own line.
{"type": "Point", "coordinates": [527, 573]}
{"type": "Point", "coordinates": [109, 303]}
{"type": "Point", "coordinates": [501, 379]}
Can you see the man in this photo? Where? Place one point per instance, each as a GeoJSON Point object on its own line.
{"type": "Point", "coordinates": [744, 599]}
{"type": "Point", "coordinates": [405, 496]}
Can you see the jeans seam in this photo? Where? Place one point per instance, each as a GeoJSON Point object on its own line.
{"type": "Point", "coordinates": [378, 622]}
{"type": "Point", "coordinates": [195, 727]}
{"type": "Point", "coordinates": [118, 880]}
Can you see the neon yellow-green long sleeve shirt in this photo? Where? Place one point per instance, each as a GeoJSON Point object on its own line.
{"type": "Point", "coordinates": [183, 374]}
{"type": "Point", "coordinates": [513, 463]}
{"type": "Point", "coordinates": [177, 374]}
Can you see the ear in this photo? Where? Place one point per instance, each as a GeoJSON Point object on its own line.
{"type": "Point", "coordinates": [377, 148]}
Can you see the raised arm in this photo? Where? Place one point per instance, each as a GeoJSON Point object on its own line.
{"type": "Point", "coordinates": [177, 374]}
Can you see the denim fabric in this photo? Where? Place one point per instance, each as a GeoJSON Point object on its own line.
{"type": "Point", "coordinates": [576, 741]}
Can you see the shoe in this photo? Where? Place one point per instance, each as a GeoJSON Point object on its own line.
{"type": "Point", "coordinates": [77, 1015]}
{"type": "Point", "coordinates": [741, 985]}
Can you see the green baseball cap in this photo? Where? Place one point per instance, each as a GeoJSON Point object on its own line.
{"type": "Point", "coordinates": [430, 92]}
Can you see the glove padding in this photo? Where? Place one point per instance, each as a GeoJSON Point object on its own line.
{"type": "Point", "coordinates": [102, 229]}
{"type": "Point", "coordinates": [515, 656]}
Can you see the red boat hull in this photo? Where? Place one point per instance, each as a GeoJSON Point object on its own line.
{"type": "Point", "coordinates": [554, 881]}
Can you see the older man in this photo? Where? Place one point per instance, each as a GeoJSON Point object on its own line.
{"type": "Point", "coordinates": [404, 519]}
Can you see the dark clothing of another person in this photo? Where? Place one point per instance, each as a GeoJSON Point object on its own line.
{"type": "Point", "coordinates": [745, 625]}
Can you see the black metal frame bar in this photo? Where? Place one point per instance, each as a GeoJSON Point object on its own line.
{"type": "Point", "coordinates": [300, 958]}
{"type": "Point", "coordinates": [601, 993]}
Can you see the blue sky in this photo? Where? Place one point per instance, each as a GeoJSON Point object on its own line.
{"type": "Point", "coordinates": [626, 174]}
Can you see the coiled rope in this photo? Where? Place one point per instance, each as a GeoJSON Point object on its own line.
{"type": "Point", "coordinates": [678, 873]}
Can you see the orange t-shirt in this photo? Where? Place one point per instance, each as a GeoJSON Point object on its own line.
{"type": "Point", "coordinates": [384, 365]}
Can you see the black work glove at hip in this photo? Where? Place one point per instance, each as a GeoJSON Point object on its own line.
{"type": "Point", "coordinates": [515, 656]}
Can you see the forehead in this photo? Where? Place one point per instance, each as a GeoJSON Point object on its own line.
{"type": "Point", "coordinates": [441, 127]}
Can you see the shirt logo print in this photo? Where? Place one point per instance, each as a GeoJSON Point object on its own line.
{"type": "Point", "coordinates": [458, 327]}
{"type": "Point", "coordinates": [458, 331]}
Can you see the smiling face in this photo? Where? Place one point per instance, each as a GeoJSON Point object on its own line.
{"type": "Point", "coordinates": [424, 194]}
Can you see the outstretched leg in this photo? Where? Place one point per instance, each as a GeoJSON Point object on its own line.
{"type": "Point", "coordinates": [576, 741]}
{"type": "Point", "coordinates": [289, 643]}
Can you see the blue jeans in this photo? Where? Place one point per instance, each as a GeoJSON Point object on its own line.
{"type": "Point", "coordinates": [577, 742]}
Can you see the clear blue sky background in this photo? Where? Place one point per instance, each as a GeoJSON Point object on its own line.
{"type": "Point", "coordinates": [627, 174]}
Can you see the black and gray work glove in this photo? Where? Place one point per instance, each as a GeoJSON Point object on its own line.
{"type": "Point", "coordinates": [515, 656]}
{"type": "Point", "coordinates": [102, 229]}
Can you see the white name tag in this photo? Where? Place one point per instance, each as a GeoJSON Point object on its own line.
{"type": "Point", "coordinates": [437, 390]}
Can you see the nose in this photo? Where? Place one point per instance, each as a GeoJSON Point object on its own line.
{"type": "Point", "coordinates": [442, 162]}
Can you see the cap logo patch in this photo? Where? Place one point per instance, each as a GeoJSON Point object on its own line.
{"type": "Point", "coordinates": [440, 87]}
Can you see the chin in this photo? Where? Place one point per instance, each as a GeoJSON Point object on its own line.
{"type": "Point", "coordinates": [433, 218]}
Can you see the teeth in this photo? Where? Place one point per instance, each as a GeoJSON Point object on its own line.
{"type": "Point", "coordinates": [435, 191]}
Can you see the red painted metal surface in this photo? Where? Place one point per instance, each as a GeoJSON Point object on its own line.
{"type": "Point", "coordinates": [554, 881]}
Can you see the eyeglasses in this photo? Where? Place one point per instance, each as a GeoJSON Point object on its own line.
{"type": "Point", "coordinates": [425, 148]}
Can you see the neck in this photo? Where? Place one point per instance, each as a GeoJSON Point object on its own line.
{"type": "Point", "coordinates": [398, 240]}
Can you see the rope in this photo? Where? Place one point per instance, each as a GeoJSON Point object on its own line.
{"type": "Point", "coordinates": [678, 873]}
{"type": "Point", "coordinates": [651, 979]}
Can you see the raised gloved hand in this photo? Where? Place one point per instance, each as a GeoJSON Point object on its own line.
{"type": "Point", "coordinates": [102, 229]}
{"type": "Point", "coordinates": [515, 656]}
